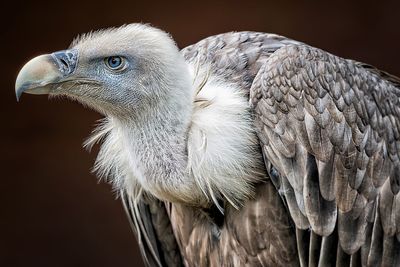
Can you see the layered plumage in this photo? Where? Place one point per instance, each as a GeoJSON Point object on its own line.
{"type": "Point", "coordinates": [245, 149]}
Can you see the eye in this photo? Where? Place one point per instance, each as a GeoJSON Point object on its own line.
{"type": "Point", "coordinates": [115, 62]}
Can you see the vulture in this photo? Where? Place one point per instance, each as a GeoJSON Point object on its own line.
{"type": "Point", "coordinates": [244, 149]}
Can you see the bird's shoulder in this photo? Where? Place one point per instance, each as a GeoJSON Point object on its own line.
{"type": "Point", "coordinates": [235, 56]}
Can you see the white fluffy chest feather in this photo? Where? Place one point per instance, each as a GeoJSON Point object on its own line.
{"type": "Point", "coordinates": [216, 157]}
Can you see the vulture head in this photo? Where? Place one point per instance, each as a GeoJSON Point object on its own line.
{"type": "Point", "coordinates": [123, 72]}
{"type": "Point", "coordinates": [161, 134]}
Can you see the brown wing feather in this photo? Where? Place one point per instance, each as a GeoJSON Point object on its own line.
{"type": "Point", "coordinates": [150, 223]}
{"type": "Point", "coordinates": [259, 234]}
{"type": "Point", "coordinates": [339, 174]}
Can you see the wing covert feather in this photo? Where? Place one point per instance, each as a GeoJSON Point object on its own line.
{"type": "Point", "coordinates": [344, 157]}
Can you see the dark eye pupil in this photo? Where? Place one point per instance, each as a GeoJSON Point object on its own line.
{"type": "Point", "coordinates": [114, 62]}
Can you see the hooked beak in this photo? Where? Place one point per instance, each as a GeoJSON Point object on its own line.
{"type": "Point", "coordinates": [41, 73]}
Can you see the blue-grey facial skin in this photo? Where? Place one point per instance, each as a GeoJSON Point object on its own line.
{"type": "Point", "coordinates": [122, 92]}
{"type": "Point", "coordinates": [94, 83]}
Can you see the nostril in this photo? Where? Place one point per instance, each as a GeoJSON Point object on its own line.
{"type": "Point", "coordinates": [65, 64]}
{"type": "Point", "coordinates": [66, 60]}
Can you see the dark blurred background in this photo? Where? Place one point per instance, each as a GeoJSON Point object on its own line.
{"type": "Point", "coordinates": [53, 210]}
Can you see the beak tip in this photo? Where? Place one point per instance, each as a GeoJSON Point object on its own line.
{"type": "Point", "coordinates": [21, 88]}
{"type": "Point", "coordinates": [18, 93]}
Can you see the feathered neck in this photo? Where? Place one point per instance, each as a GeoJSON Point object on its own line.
{"type": "Point", "coordinates": [203, 153]}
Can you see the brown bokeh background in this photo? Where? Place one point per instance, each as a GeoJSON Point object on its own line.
{"type": "Point", "coordinates": [53, 210]}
